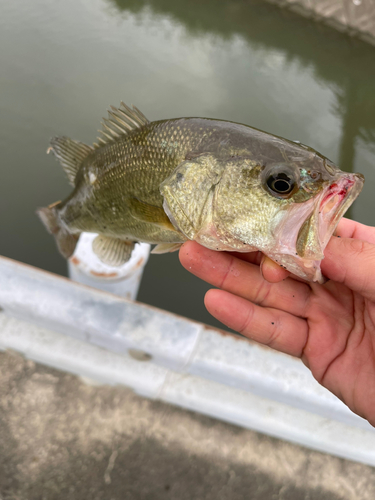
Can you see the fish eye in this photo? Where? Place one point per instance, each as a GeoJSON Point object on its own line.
{"type": "Point", "coordinates": [280, 183]}
{"type": "Point", "coordinates": [281, 180]}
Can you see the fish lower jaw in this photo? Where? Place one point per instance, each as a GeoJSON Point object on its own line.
{"type": "Point", "coordinates": [212, 243]}
{"type": "Point", "coordinates": [210, 238]}
{"type": "Point", "coordinates": [307, 269]}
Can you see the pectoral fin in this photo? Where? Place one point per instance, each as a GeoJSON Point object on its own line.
{"type": "Point", "coordinates": [145, 212]}
{"type": "Point", "coordinates": [112, 251]}
{"type": "Point", "coordinates": [166, 248]}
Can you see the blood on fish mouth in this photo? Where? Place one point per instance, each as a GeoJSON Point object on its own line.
{"type": "Point", "coordinates": [333, 205]}
{"type": "Point", "coordinates": [335, 194]}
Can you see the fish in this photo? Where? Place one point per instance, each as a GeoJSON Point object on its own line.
{"type": "Point", "coordinates": [228, 186]}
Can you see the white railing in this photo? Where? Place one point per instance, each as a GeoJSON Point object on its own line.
{"type": "Point", "coordinates": [95, 334]}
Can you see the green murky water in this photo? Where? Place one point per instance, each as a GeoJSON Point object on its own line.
{"type": "Point", "coordinates": [63, 63]}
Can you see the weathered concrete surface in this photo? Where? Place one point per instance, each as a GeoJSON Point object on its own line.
{"type": "Point", "coordinates": [63, 439]}
{"type": "Point", "coordinates": [356, 17]}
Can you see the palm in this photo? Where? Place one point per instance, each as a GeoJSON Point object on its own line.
{"type": "Point", "coordinates": [340, 344]}
{"type": "Point", "coordinates": [331, 327]}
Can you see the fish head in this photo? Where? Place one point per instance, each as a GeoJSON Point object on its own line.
{"type": "Point", "coordinates": [288, 209]}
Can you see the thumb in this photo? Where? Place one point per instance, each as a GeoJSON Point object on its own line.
{"type": "Point", "coordinates": [351, 262]}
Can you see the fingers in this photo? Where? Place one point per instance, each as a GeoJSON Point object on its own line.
{"type": "Point", "coordinates": [351, 229]}
{"type": "Point", "coordinates": [271, 271]}
{"type": "Point", "coordinates": [269, 326]}
{"type": "Point", "coordinates": [351, 262]}
{"type": "Point", "coordinates": [241, 278]}
{"type": "Point", "coordinates": [252, 257]}
{"type": "Point", "coordinates": [345, 228]}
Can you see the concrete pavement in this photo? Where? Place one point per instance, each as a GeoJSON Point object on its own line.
{"type": "Point", "coordinates": [62, 438]}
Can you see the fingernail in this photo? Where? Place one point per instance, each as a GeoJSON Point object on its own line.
{"type": "Point", "coordinates": [261, 264]}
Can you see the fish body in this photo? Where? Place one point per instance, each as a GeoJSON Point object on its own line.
{"type": "Point", "coordinates": [226, 185]}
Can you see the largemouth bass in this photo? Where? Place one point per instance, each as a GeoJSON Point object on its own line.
{"type": "Point", "coordinates": [226, 185]}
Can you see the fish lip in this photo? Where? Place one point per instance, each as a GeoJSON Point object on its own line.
{"type": "Point", "coordinates": [338, 196]}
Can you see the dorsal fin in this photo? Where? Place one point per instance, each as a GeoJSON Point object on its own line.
{"type": "Point", "coordinates": [120, 122]}
{"type": "Point", "coordinates": [70, 153]}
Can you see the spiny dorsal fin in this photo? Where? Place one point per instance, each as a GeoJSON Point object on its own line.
{"type": "Point", "coordinates": [120, 122]}
{"type": "Point", "coordinates": [70, 154]}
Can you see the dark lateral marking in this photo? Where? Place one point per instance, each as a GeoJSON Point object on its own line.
{"type": "Point", "coordinates": [272, 323]}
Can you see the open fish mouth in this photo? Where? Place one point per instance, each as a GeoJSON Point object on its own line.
{"type": "Point", "coordinates": [310, 229]}
{"type": "Point", "coordinates": [321, 223]}
{"type": "Point", "coordinates": [335, 201]}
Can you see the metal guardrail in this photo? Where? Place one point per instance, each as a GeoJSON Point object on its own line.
{"type": "Point", "coordinates": [60, 323]}
{"type": "Point", "coordinates": [356, 17]}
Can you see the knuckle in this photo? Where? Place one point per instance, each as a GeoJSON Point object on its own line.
{"type": "Point", "coordinates": [356, 247]}
{"type": "Point", "coordinates": [246, 322]}
{"type": "Point", "coordinates": [262, 293]}
{"type": "Point", "coordinates": [227, 273]}
{"type": "Point", "coordinates": [366, 252]}
{"type": "Point", "coordinates": [275, 333]}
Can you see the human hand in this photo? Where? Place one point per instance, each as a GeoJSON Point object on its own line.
{"type": "Point", "coordinates": [331, 327]}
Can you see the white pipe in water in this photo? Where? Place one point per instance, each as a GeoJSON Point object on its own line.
{"type": "Point", "coordinates": [86, 268]}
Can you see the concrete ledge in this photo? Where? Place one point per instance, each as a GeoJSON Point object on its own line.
{"type": "Point", "coordinates": [162, 356]}
{"type": "Point", "coordinates": [354, 17]}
